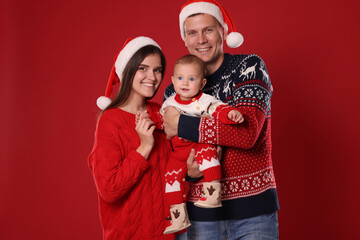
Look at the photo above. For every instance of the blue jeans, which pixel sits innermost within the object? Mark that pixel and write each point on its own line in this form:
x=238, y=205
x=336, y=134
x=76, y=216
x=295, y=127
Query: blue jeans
x=262, y=227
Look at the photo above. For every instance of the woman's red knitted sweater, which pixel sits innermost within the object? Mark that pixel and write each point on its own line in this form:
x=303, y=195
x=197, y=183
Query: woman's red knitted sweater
x=130, y=188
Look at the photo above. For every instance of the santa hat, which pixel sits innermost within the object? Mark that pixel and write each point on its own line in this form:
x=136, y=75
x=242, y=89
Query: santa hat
x=213, y=8
x=130, y=47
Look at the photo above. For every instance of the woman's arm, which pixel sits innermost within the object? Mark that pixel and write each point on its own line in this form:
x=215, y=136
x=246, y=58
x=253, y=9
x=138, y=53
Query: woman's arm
x=114, y=172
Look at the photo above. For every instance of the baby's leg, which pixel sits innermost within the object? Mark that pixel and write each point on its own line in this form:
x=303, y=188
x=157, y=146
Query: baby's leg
x=175, y=195
x=206, y=157
x=209, y=164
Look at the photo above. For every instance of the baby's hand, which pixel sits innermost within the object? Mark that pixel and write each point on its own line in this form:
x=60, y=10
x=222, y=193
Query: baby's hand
x=235, y=116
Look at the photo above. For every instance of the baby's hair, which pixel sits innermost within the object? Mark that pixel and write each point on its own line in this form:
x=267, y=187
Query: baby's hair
x=192, y=59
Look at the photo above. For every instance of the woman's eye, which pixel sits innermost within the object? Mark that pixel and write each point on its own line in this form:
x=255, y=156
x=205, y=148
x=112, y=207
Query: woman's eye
x=158, y=70
x=142, y=68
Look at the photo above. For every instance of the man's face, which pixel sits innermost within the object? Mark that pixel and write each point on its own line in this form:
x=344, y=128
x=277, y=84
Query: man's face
x=204, y=38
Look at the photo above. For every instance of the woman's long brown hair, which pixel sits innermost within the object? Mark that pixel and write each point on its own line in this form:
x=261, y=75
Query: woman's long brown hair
x=130, y=71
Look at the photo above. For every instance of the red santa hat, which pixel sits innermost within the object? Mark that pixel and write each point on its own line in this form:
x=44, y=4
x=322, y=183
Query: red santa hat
x=213, y=8
x=130, y=47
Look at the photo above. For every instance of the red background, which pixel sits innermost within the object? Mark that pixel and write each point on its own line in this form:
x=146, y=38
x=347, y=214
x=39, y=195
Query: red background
x=55, y=60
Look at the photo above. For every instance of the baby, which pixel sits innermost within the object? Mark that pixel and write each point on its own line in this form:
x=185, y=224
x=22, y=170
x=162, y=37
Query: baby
x=188, y=81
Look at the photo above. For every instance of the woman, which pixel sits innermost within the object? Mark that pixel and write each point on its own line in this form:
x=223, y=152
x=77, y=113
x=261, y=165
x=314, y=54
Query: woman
x=128, y=160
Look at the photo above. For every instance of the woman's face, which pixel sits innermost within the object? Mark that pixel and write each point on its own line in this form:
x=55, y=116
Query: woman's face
x=148, y=77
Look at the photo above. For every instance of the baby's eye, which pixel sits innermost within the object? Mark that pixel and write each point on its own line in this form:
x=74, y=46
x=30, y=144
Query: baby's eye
x=192, y=79
x=180, y=78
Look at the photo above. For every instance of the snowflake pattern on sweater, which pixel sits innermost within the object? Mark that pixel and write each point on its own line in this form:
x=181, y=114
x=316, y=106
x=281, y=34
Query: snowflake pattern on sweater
x=243, y=82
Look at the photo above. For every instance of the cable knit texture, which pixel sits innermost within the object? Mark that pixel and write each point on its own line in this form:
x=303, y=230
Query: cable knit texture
x=130, y=188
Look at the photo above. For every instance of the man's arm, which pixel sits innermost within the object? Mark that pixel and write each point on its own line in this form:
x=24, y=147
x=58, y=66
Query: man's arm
x=213, y=131
x=250, y=96
x=242, y=135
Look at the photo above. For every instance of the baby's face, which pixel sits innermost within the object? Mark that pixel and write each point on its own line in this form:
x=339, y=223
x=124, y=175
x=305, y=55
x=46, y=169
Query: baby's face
x=188, y=80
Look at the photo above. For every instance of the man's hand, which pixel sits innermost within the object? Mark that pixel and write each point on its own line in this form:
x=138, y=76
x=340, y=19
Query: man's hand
x=219, y=152
x=171, y=121
x=192, y=166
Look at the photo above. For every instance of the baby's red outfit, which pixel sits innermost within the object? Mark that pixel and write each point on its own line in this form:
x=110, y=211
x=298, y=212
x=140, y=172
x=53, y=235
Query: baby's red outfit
x=205, y=154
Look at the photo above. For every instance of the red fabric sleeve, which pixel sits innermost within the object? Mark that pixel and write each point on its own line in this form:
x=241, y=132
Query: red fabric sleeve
x=221, y=113
x=114, y=173
x=244, y=135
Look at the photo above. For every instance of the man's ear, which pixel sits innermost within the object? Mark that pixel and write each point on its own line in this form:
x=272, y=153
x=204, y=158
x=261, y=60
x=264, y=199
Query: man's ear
x=185, y=43
x=224, y=33
x=203, y=82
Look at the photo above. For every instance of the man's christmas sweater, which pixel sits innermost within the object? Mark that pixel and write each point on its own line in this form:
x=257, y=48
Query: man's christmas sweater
x=248, y=184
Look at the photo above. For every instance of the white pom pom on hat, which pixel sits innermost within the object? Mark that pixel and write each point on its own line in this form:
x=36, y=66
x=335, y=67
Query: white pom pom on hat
x=102, y=102
x=130, y=47
x=234, y=39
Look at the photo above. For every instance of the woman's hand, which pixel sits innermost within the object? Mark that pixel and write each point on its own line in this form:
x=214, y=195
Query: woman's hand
x=145, y=129
x=144, y=114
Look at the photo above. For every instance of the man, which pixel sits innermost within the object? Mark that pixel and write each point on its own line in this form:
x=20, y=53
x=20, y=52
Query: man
x=249, y=196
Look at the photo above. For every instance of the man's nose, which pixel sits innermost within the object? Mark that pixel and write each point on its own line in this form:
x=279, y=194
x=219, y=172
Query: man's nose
x=202, y=38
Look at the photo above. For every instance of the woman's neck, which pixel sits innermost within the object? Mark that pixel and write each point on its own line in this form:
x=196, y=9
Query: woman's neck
x=133, y=106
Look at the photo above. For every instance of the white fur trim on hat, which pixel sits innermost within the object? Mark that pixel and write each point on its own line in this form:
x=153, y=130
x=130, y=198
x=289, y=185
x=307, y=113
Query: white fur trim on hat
x=121, y=61
x=200, y=7
x=233, y=39
x=129, y=50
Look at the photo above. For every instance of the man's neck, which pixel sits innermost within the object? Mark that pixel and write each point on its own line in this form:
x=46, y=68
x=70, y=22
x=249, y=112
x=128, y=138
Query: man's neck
x=211, y=67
